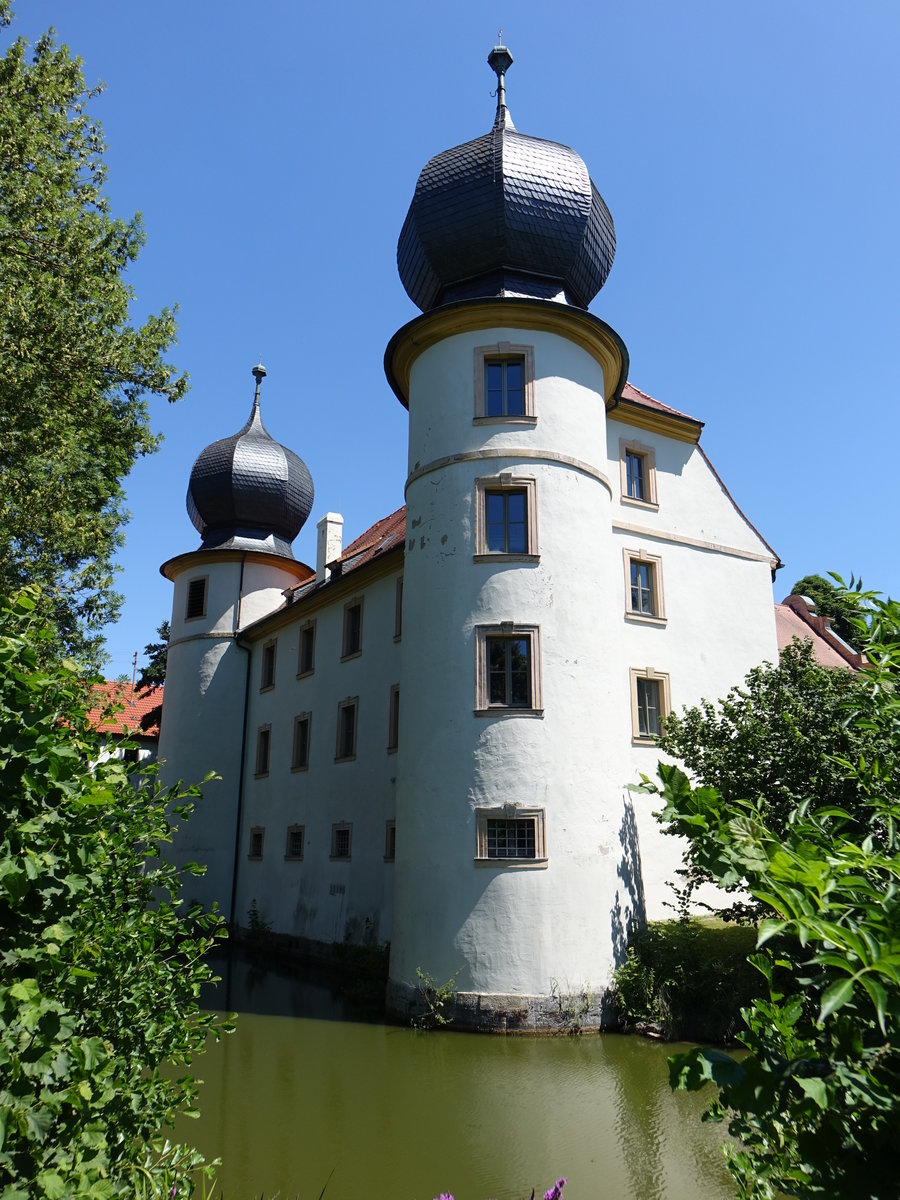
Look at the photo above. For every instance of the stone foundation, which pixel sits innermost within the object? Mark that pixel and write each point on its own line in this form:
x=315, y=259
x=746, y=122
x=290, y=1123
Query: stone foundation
x=513, y=1014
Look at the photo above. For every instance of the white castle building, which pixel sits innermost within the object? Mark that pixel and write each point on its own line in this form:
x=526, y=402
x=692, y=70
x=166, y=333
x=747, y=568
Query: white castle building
x=427, y=738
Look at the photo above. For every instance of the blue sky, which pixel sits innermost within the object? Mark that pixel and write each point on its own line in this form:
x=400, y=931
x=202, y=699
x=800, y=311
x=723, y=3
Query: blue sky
x=748, y=154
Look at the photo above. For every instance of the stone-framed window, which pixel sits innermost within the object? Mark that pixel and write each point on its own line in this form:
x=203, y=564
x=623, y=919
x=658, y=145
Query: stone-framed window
x=300, y=745
x=511, y=836
x=295, y=842
x=637, y=469
x=351, y=644
x=508, y=669
x=257, y=838
x=263, y=750
x=644, y=596
x=506, y=528
x=341, y=839
x=267, y=666
x=504, y=384
x=394, y=719
x=650, y=703
x=306, y=656
x=345, y=746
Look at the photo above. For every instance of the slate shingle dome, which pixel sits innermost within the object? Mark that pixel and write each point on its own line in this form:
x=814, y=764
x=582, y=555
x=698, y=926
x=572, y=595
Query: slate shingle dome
x=248, y=492
x=505, y=215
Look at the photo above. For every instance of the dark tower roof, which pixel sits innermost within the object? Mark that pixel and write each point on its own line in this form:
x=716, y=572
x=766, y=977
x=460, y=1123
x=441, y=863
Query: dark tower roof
x=248, y=492
x=505, y=215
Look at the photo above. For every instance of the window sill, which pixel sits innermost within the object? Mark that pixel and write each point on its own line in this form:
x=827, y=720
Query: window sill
x=398, y=637
x=339, y=858
x=509, y=712
x=388, y=860
x=392, y=749
x=512, y=862
x=298, y=770
x=647, y=505
x=306, y=674
x=506, y=558
x=352, y=654
x=268, y=687
x=346, y=758
x=645, y=618
x=293, y=858
x=527, y=419
x=637, y=740
x=254, y=858
x=260, y=774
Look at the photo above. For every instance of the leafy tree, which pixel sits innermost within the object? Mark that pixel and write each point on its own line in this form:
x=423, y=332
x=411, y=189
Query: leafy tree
x=154, y=673
x=816, y=1101
x=74, y=373
x=831, y=601
x=100, y=970
x=775, y=741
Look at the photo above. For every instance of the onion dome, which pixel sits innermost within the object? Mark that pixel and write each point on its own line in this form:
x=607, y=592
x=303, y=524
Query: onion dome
x=248, y=492
x=505, y=215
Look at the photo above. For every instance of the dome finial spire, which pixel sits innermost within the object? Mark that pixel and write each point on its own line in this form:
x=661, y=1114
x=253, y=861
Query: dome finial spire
x=259, y=373
x=500, y=60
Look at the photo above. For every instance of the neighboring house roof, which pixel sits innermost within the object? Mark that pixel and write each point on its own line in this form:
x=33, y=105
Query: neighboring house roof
x=139, y=709
x=796, y=617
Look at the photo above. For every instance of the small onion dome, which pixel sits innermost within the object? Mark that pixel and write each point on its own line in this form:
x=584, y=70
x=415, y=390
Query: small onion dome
x=248, y=492
x=505, y=215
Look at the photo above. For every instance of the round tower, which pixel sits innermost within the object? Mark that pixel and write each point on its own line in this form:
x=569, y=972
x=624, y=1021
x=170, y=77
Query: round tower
x=506, y=861
x=248, y=498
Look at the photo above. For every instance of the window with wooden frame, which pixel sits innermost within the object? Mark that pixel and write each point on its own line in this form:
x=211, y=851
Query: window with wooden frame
x=267, y=673
x=294, y=843
x=306, y=658
x=345, y=749
x=508, y=670
x=390, y=840
x=511, y=836
x=263, y=749
x=394, y=719
x=398, y=610
x=196, y=598
x=504, y=384
x=637, y=467
x=650, y=704
x=341, y=833
x=506, y=518
x=257, y=836
x=300, y=747
x=352, y=638
x=644, y=599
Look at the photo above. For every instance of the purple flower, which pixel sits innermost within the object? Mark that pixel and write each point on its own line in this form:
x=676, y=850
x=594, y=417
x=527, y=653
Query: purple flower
x=556, y=1192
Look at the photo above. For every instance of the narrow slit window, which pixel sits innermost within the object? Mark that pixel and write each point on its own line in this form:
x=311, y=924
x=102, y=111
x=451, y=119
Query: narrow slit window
x=306, y=659
x=300, y=754
x=257, y=835
x=267, y=678
x=346, y=730
x=263, y=749
x=196, y=599
x=352, y=643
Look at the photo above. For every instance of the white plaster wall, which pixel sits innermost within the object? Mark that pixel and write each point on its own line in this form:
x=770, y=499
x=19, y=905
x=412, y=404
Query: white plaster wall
x=512, y=929
x=305, y=898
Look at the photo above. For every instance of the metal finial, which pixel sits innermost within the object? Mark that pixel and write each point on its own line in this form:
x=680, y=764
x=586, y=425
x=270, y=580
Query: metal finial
x=259, y=374
x=500, y=60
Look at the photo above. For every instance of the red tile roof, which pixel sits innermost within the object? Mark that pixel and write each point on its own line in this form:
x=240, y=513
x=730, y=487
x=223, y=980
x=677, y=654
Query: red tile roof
x=795, y=619
x=381, y=536
x=139, y=709
x=636, y=396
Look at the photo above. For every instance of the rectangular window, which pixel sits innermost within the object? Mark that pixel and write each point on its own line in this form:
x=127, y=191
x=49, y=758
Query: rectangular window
x=306, y=658
x=637, y=464
x=507, y=669
x=300, y=751
x=506, y=518
x=504, y=383
x=398, y=610
x=352, y=643
x=511, y=835
x=345, y=750
x=196, y=599
x=256, y=841
x=643, y=599
x=643, y=587
x=340, y=840
x=394, y=719
x=263, y=747
x=296, y=835
x=390, y=840
x=649, y=704
x=267, y=677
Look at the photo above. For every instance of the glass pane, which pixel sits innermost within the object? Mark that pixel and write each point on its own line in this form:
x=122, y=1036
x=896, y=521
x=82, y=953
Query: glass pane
x=515, y=396
x=519, y=673
x=497, y=671
x=493, y=389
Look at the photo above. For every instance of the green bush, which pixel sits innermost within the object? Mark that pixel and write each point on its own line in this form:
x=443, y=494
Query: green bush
x=100, y=970
x=688, y=978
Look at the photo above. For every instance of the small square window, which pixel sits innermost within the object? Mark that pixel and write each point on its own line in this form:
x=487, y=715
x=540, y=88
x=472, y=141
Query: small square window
x=131, y=755
x=390, y=840
x=340, y=840
x=510, y=835
x=263, y=748
x=506, y=519
x=649, y=704
x=507, y=669
x=637, y=465
x=257, y=834
x=196, y=599
x=267, y=675
x=504, y=383
x=296, y=835
x=300, y=749
x=398, y=610
x=352, y=642
x=643, y=587
x=394, y=719
x=345, y=750
x=307, y=656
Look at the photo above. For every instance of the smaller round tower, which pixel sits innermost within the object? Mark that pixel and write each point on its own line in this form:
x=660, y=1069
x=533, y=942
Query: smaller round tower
x=248, y=498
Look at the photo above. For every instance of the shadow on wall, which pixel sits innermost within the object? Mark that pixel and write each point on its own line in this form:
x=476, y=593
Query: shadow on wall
x=629, y=911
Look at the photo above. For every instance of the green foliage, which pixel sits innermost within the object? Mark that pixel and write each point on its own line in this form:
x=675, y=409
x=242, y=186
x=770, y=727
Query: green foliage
x=154, y=673
x=688, y=978
x=100, y=971
x=831, y=600
x=816, y=1103
x=434, y=998
x=775, y=741
x=73, y=372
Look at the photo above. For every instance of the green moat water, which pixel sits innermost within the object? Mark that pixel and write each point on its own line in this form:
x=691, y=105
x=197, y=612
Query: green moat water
x=382, y=1112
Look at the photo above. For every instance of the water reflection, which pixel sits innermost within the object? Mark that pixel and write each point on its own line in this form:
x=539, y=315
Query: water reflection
x=400, y=1114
